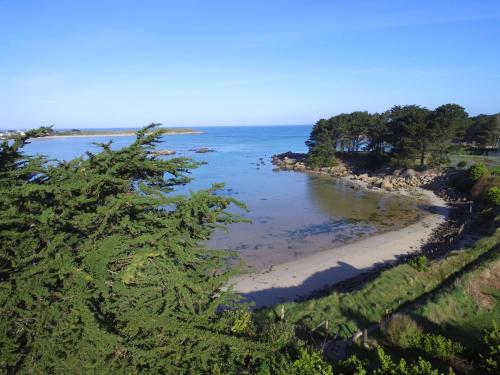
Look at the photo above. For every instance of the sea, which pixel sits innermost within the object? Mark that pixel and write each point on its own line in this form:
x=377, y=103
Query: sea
x=292, y=214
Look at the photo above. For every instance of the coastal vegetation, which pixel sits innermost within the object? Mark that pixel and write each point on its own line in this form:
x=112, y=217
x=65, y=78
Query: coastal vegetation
x=409, y=136
x=102, y=271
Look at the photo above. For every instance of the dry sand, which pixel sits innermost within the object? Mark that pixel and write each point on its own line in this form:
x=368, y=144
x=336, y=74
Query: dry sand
x=104, y=134
x=300, y=277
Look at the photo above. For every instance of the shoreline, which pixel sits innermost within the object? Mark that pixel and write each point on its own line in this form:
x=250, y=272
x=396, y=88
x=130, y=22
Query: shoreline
x=302, y=277
x=130, y=134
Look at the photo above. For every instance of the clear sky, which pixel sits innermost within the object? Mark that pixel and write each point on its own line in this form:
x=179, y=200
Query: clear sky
x=127, y=63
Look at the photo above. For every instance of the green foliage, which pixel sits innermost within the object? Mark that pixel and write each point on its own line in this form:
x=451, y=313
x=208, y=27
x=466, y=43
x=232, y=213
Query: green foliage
x=477, y=171
x=493, y=196
x=409, y=133
x=310, y=363
x=400, y=330
x=420, y=263
x=484, y=130
x=490, y=357
x=350, y=366
x=462, y=164
x=389, y=367
x=241, y=321
x=354, y=311
x=322, y=155
x=436, y=346
x=102, y=271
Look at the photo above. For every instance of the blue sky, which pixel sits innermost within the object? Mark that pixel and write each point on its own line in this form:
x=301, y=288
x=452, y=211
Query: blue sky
x=127, y=63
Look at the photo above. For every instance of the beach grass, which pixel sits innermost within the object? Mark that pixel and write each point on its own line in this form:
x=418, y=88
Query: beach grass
x=349, y=312
x=466, y=308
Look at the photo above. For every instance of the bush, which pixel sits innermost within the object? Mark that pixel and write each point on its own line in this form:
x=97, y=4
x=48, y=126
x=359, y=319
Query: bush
x=310, y=363
x=462, y=182
x=483, y=185
x=490, y=359
x=462, y=164
x=241, y=322
x=437, y=346
x=477, y=171
x=400, y=330
x=351, y=366
x=420, y=263
x=493, y=196
x=322, y=156
x=280, y=333
x=388, y=366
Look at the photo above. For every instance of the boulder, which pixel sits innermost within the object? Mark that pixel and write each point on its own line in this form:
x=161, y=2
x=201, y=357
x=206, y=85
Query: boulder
x=202, y=150
x=165, y=152
x=410, y=173
x=387, y=185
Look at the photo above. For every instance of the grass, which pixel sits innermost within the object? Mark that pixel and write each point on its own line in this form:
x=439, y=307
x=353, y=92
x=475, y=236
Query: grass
x=460, y=312
x=347, y=313
x=470, y=306
x=490, y=161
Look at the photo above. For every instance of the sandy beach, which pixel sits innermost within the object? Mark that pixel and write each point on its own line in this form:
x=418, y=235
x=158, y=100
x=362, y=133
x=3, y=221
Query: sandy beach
x=300, y=277
x=125, y=134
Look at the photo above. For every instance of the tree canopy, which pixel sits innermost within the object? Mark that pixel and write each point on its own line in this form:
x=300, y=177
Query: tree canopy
x=410, y=134
x=102, y=270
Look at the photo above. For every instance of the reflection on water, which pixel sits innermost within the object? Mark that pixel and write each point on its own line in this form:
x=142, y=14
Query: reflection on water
x=329, y=213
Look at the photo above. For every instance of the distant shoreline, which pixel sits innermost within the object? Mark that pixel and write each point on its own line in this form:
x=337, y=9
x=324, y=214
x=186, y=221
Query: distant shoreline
x=117, y=134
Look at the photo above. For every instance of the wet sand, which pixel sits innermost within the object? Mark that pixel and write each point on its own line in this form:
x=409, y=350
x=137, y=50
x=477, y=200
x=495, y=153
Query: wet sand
x=300, y=277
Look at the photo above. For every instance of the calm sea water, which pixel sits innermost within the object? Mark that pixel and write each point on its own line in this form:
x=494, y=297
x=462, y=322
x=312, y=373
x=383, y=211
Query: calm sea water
x=293, y=214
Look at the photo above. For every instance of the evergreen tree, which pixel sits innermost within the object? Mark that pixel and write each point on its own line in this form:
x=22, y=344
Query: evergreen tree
x=102, y=271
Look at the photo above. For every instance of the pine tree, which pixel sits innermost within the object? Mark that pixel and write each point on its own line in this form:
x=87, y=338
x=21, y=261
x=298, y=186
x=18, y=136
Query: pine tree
x=102, y=268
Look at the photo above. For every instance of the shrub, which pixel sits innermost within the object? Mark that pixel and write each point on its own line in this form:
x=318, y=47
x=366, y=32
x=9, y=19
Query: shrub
x=310, y=363
x=477, y=171
x=388, y=366
x=400, y=330
x=322, y=156
x=490, y=359
x=351, y=366
x=462, y=164
x=493, y=196
x=420, y=263
x=462, y=182
x=437, y=346
x=483, y=185
x=279, y=332
x=242, y=322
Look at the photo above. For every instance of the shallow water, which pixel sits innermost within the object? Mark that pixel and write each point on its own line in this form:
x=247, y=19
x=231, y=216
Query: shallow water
x=293, y=214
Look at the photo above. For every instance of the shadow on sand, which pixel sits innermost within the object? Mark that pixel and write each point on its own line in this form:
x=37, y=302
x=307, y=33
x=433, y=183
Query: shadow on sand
x=319, y=280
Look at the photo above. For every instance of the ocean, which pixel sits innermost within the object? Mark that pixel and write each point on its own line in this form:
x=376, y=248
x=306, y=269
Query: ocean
x=293, y=214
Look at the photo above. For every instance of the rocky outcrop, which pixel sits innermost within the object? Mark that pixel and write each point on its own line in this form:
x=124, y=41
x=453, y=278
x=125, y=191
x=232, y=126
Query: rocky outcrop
x=165, y=152
x=383, y=179
x=202, y=150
